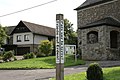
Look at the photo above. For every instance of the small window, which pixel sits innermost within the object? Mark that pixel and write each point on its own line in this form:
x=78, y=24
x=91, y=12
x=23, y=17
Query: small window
x=26, y=37
x=114, y=39
x=19, y=38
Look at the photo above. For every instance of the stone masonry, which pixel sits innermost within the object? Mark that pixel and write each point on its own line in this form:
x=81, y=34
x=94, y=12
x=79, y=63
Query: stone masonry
x=98, y=38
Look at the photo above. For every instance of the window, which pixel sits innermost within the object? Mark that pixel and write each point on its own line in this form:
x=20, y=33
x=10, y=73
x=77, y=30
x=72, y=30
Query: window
x=18, y=38
x=114, y=39
x=26, y=37
x=92, y=37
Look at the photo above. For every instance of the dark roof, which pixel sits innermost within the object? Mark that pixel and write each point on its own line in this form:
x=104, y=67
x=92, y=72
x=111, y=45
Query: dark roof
x=40, y=29
x=89, y=3
x=104, y=21
x=9, y=29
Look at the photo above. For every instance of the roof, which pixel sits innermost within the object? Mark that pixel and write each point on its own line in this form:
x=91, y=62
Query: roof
x=38, y=29
x=104, y=21
x=89, y=3
x=9, y=29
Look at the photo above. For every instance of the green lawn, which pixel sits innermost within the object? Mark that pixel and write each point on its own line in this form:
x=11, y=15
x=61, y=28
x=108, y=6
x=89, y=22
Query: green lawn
x=112, y=73
x=109, y=74
x=37, y=63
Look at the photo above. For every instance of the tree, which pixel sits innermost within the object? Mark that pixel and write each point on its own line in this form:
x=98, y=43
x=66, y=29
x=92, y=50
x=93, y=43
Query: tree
x=3, y=35
x=46, y=47
x=70, y=36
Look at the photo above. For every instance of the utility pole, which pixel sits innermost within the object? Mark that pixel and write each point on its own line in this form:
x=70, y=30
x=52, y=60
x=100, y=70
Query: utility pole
x=59, y=47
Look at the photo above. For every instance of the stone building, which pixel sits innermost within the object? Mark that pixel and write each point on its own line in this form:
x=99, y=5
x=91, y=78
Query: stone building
x=99, y=29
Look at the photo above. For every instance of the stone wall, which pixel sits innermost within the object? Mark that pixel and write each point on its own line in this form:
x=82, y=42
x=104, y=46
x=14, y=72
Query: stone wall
x=112, y=53
x=97, y=12
x=100, y=50
x=94, y=51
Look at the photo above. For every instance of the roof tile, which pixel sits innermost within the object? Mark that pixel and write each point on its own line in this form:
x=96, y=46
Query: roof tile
x=104, y=21
x=89, y=3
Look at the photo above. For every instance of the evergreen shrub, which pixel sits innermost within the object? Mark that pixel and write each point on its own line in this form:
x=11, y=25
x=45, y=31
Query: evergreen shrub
x=94, y=72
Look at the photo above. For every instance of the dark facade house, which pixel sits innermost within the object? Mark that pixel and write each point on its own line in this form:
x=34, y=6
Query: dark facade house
x=26, y=36
x=99, y=29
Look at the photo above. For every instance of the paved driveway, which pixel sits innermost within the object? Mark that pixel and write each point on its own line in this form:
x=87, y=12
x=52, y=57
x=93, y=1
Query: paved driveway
x=42, y=74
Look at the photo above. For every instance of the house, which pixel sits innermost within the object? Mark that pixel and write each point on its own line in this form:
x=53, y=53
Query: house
x=99, y=29
x=26, y=36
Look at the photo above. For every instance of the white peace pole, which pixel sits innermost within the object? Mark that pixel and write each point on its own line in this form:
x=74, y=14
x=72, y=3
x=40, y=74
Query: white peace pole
x=59, y=47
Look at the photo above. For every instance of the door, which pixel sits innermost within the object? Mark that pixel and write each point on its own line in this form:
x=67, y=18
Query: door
x=23, y=50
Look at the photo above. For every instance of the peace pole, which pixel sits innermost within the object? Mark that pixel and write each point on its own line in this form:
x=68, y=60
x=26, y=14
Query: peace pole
x=59, y=47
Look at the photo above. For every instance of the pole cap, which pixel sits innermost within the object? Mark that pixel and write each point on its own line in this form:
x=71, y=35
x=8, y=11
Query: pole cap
x=59, y=16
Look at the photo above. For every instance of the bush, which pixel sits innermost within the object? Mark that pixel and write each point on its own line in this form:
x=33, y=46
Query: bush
x=1, y=54
x=29, y=56
x=8, y=55
x=94, y=72
x=38, y=55
x=26, y=56
x=15, y=58
x=45, y=47
x=0, y=57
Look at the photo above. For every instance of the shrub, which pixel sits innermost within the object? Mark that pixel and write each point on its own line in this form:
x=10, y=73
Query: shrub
x=29, y=56
x=94, y=72
x=38, y=55
x=26, y=56
x=0, y=57
x=15, y=58
x=53, y=51
x=8, y=55
x=1, y=54
x=45, y=47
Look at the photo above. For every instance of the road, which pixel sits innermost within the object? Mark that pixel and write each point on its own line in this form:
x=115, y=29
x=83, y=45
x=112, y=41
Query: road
x=43, y=74
x=37, y=74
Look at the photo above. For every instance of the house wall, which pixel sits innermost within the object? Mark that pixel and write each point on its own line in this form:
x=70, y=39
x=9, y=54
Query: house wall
x=32, y=44
x=9, y=40
x=22, y=38
x=38, y=38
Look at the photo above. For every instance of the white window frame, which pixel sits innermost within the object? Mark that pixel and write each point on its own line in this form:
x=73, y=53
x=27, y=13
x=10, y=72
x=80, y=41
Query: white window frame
x=26, y=37
x=19, y=38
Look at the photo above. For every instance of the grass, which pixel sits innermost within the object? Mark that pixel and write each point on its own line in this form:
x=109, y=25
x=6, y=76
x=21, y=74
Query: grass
x=38, y=63
x=112, y=73
x=109, y=74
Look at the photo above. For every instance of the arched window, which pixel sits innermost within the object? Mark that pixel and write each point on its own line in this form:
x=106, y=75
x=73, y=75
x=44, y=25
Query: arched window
x=92, y=37
x=114, y=39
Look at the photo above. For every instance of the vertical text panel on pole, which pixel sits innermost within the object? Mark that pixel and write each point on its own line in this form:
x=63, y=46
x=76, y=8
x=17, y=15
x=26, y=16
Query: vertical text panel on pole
x=59, y=41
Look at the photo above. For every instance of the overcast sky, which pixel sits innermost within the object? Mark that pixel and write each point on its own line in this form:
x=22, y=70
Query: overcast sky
x=43, y=15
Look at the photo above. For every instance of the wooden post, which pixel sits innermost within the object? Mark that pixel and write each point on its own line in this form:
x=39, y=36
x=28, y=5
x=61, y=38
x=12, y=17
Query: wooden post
x=59, y=47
